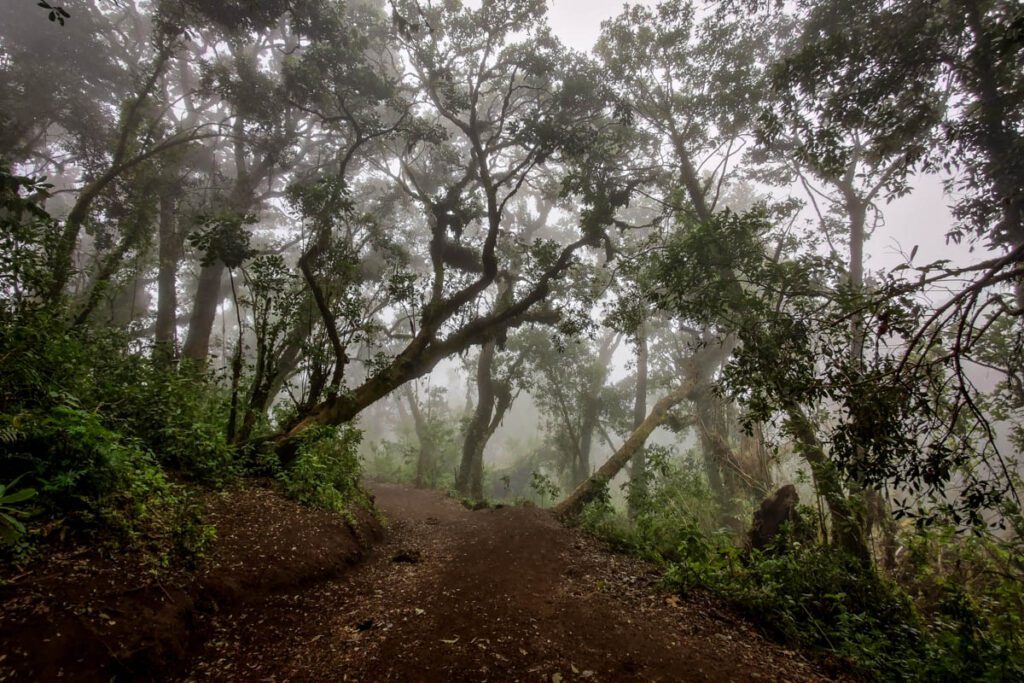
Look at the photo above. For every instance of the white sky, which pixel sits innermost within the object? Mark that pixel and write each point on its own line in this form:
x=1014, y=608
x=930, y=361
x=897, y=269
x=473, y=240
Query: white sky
x=578, y=22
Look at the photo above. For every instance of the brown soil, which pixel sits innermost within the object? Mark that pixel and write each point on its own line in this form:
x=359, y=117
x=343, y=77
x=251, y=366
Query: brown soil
x=491, y=595
x=88, y=613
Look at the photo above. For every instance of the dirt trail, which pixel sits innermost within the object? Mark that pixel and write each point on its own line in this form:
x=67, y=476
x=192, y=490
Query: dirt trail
x=491, y=595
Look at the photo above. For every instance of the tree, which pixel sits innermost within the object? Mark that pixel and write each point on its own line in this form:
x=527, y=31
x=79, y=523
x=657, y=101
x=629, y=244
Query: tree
x=666, y=68
x=499, y=107
x=893, y=73
x=591, y=487
x=570, y=386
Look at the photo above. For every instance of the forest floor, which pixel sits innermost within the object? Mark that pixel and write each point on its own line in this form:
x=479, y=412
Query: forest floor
x=502, y=594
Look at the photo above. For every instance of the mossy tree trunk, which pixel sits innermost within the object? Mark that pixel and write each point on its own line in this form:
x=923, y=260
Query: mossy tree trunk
x=591, y=487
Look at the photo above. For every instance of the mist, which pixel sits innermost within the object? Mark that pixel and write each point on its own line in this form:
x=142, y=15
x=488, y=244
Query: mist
x=418, y=311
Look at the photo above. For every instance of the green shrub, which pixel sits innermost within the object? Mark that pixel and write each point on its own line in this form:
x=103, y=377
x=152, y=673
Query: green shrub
x=326, y=470
x=544, y=488
x=178, y=418
x=12, y=510
x=390, y=461
x=970, y=589
x=92, y=425
x=674, y=518
x=816, y=596
x=955, y=615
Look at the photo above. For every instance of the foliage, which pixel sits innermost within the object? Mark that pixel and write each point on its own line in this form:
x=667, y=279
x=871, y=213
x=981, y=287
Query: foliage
x=326, y=471
x=11, y=527
x=793, y=354
x=674, y=513
x=389, y=461
x=545, y=489
x=27, y=236
x=92, y=425
x=387, y=192
x=925, y=628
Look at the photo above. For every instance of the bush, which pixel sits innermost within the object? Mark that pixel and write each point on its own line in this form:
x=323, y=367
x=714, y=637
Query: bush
x=326, y=471
x=91, y=425
x=391, y=461
x=816, y=596
x=178, y=418
x=970, y=588
x=674, y=518
x=89, y=476
x=961, y=623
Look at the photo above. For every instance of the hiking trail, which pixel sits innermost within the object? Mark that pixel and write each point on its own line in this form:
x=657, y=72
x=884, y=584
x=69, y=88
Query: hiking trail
x=490, y=595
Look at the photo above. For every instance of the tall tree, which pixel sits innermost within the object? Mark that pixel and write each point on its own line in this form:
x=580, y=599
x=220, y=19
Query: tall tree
x=500, y=97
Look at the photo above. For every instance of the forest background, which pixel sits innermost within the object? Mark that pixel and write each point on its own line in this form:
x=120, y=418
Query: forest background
x=308, y=240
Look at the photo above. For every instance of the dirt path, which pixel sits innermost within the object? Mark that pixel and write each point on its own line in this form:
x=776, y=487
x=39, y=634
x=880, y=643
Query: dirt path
x=492, y=595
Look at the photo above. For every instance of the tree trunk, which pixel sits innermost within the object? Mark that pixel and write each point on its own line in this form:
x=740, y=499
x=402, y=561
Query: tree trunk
x=857, y=211
x=211, y=277
x=204, y=311
x=591, y=409
x=64, y=251
x=592, y=406
x=470, y=479
x=493, y=399
x=847, y=522
x=236, y=367
x=726, y=475
x=422, y=435
x=164, y=335
x=273, y=368
x=638, y=464
x=591, y=487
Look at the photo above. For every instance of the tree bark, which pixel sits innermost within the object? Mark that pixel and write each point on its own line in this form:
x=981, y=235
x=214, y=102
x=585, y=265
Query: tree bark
x=592, y=486
x=638, y=464
x=105, y=273
x=164, y=335
x=422, y=435
x=709, y=425
x=592, y=406
x=470, y=479
x=204, y=312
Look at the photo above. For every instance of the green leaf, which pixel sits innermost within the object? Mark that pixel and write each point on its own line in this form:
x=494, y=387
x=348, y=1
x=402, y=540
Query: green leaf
x=18, y=496
x=11, y=523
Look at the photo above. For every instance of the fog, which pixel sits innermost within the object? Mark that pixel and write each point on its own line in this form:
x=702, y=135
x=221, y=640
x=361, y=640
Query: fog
x=511, y=340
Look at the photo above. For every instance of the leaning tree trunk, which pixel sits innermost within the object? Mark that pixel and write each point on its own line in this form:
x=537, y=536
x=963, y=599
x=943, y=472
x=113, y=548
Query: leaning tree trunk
x=847, y=522
x=590, y=488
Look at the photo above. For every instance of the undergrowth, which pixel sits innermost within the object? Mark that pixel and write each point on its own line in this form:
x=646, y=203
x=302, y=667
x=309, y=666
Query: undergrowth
x=930, y=621
x=94, y=428
x=326, y=471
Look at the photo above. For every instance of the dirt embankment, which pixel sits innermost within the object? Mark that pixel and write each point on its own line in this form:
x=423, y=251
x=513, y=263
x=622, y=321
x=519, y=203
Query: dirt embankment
x=85, y=614
x=449, y=594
